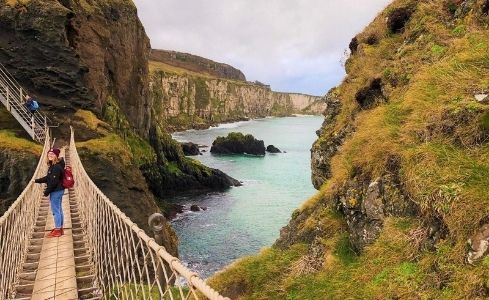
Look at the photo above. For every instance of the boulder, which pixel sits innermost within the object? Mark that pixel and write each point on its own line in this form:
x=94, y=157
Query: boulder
x=372, y=204
x=353, y=45
x=273, y=149
x=238, y=143
x=190, y=149
x=195, y=207
x=482, y=98
x=479, y=245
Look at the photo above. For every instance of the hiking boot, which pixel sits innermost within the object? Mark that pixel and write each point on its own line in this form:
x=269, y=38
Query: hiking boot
x=55, y=233
x=59, y=232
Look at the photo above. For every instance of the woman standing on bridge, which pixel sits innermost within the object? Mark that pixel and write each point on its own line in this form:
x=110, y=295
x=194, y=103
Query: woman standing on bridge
x=55, y=189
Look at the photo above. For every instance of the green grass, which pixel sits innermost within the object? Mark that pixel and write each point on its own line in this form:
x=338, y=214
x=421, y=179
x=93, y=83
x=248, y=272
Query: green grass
x=258, y=273
x=344, y=252
x=173, y=168
x=9, y=140
x=111, y=146
x=88, y=118
x=485, y=121
x=140, y=149
x=143, y=292
x=155, y=66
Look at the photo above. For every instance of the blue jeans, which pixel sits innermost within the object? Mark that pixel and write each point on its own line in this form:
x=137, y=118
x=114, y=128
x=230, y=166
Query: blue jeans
x=56, y=208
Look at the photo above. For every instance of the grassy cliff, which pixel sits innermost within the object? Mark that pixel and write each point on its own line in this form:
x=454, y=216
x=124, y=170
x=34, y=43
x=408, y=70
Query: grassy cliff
x=402, y=168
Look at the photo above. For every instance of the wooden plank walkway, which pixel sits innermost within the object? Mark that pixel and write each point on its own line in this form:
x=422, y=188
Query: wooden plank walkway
x=56, y=275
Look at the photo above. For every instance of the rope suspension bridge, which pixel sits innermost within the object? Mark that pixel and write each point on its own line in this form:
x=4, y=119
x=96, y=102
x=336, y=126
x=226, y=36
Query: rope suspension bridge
x=102, y=255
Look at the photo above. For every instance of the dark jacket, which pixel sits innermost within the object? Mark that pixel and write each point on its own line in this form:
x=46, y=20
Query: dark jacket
x=54, y=178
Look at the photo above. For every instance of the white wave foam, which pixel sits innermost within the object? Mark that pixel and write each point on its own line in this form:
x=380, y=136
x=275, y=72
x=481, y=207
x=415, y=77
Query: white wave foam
x=229, y=125
x=303, y=116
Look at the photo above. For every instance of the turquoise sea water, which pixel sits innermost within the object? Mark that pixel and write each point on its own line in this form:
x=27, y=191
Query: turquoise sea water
x=242, y=220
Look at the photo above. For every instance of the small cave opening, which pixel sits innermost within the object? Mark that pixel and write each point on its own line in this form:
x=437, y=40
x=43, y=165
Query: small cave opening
x=372, y=40
x=397, y=19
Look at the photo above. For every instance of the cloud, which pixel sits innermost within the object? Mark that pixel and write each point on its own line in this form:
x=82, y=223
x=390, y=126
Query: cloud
x=294, y=46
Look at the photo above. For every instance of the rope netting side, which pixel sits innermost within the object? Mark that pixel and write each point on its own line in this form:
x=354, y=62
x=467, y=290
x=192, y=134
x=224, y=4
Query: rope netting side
x=16, y=228
x=127, y=263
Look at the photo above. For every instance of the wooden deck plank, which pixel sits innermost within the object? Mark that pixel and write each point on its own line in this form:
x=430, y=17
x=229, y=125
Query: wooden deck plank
x=56, y=275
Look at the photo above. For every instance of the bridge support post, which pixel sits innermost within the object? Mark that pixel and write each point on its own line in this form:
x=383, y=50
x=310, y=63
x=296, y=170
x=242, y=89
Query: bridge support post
x=157, y=223
x=8, y=98
x=33, y=126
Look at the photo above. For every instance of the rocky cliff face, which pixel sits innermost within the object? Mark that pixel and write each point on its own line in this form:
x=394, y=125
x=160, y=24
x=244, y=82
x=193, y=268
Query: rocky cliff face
x=184, y=101
x=197, y=64
x=16, y=169
x=69, y=54
x=18, y=159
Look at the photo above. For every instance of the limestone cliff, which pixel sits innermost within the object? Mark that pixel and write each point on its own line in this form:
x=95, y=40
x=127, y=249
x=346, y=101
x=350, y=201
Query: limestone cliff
x=401, y=165
x=185, y=99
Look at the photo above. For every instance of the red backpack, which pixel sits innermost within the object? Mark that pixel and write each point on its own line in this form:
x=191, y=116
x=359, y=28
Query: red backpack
x=68, y=180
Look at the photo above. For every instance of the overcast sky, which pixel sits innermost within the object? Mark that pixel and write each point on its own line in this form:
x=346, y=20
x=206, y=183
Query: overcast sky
x=293, y=45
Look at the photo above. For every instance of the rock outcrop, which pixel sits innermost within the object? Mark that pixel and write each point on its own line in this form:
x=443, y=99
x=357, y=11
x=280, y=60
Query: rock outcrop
x=479, y=245
x=69, y=54
x=328, y=142
x=18, y=159
x=238, y=143
x=190, y=149
x=273, y=149
x=16, y=169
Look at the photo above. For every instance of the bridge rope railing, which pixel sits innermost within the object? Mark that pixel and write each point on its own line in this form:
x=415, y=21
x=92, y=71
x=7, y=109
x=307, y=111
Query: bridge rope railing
x=16, y=228
x=127, y=263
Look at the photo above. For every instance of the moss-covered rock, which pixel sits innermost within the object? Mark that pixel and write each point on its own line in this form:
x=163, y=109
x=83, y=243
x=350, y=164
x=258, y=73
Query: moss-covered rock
x=174, y=173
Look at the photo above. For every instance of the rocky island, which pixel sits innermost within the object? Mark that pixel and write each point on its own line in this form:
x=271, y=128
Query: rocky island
x=238, y=143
